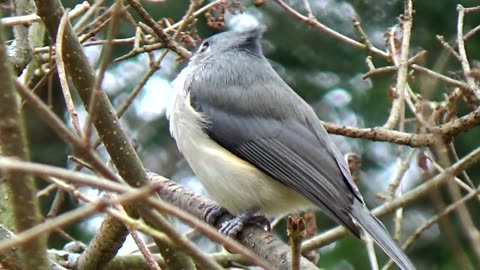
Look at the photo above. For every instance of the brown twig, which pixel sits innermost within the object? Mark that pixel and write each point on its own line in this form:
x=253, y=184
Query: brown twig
x=86, y=17
x=296, y=231
x=392, y=188
x=447, y=46
x=315, y=23
x=153, y=47
x=106, y=55
x=372, y=256
x=380, y=134
x=471, y=33
x=159, y=32
x=29, y=19
x=472, y=10
x=473, y=90
x=402, y=63
x=152, y=264
x=452, y=207
x=363, y=35
x=62, y=75
x=64, y=133
x=374, y=71
x=441, y=77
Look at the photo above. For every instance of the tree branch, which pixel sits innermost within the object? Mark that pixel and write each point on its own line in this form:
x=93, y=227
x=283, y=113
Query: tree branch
x=107, y=124
x=21, y=186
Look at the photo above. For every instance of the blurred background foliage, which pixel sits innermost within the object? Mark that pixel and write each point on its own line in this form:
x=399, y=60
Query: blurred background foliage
x=326, y=73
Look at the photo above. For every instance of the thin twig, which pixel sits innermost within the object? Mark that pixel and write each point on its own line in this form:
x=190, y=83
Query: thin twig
x=363, y=35
x=463, y=56
x=315, y=23
x=62, y=75
x=152, y=264
x=441, y=169
x=472, y=10
x=159, y=32
x=86, y=17
x=387, y=69
x=372, y=256
x=401, y=172
x=454, y=153
x=63, y=132
x=32, y=18
x=310, y=15
x=403, y=167
x=441, y=77
x=471, y=33
x=402, y=62
x=449, y=48
x=452, y=207
x=106, y=55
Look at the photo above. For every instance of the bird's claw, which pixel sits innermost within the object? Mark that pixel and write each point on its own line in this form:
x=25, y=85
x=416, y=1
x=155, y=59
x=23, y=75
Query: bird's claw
x=212, y=213
x=238, y=223
x=233, y=226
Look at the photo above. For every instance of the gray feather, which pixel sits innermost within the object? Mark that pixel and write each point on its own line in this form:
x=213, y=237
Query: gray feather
x=380, y=235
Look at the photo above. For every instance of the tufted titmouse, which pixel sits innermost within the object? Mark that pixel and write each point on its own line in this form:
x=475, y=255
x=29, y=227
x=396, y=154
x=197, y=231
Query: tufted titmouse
x=257, y=146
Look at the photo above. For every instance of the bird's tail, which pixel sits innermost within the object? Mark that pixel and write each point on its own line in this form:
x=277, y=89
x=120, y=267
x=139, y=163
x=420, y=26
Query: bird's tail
x=380, y=235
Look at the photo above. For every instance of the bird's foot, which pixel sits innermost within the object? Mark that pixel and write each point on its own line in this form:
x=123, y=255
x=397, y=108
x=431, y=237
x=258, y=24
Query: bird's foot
x=238, y=223
x=233, y=226
x=213, y=213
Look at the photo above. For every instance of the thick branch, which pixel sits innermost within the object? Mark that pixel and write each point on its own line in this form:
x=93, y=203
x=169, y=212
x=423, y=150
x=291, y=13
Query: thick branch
x=22, y=47
x=254, y=238
x=21, y=186
x=115, y=140
x=446, y=131
x=381, y=134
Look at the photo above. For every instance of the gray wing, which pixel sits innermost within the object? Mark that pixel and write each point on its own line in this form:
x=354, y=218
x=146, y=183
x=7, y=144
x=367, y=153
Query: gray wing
x=296, y=153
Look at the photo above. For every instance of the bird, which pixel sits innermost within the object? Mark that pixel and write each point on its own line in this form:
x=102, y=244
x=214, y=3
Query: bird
x=257, y=146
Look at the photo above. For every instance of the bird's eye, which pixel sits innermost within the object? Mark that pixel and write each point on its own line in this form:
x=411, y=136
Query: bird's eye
x=204, y=46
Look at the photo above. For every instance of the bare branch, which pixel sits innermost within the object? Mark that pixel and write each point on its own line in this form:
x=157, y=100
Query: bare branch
x=63, y=77
x=32, y=18
x=463, y=56
x=402, y=63
x=315, y=23
x=21, y=186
